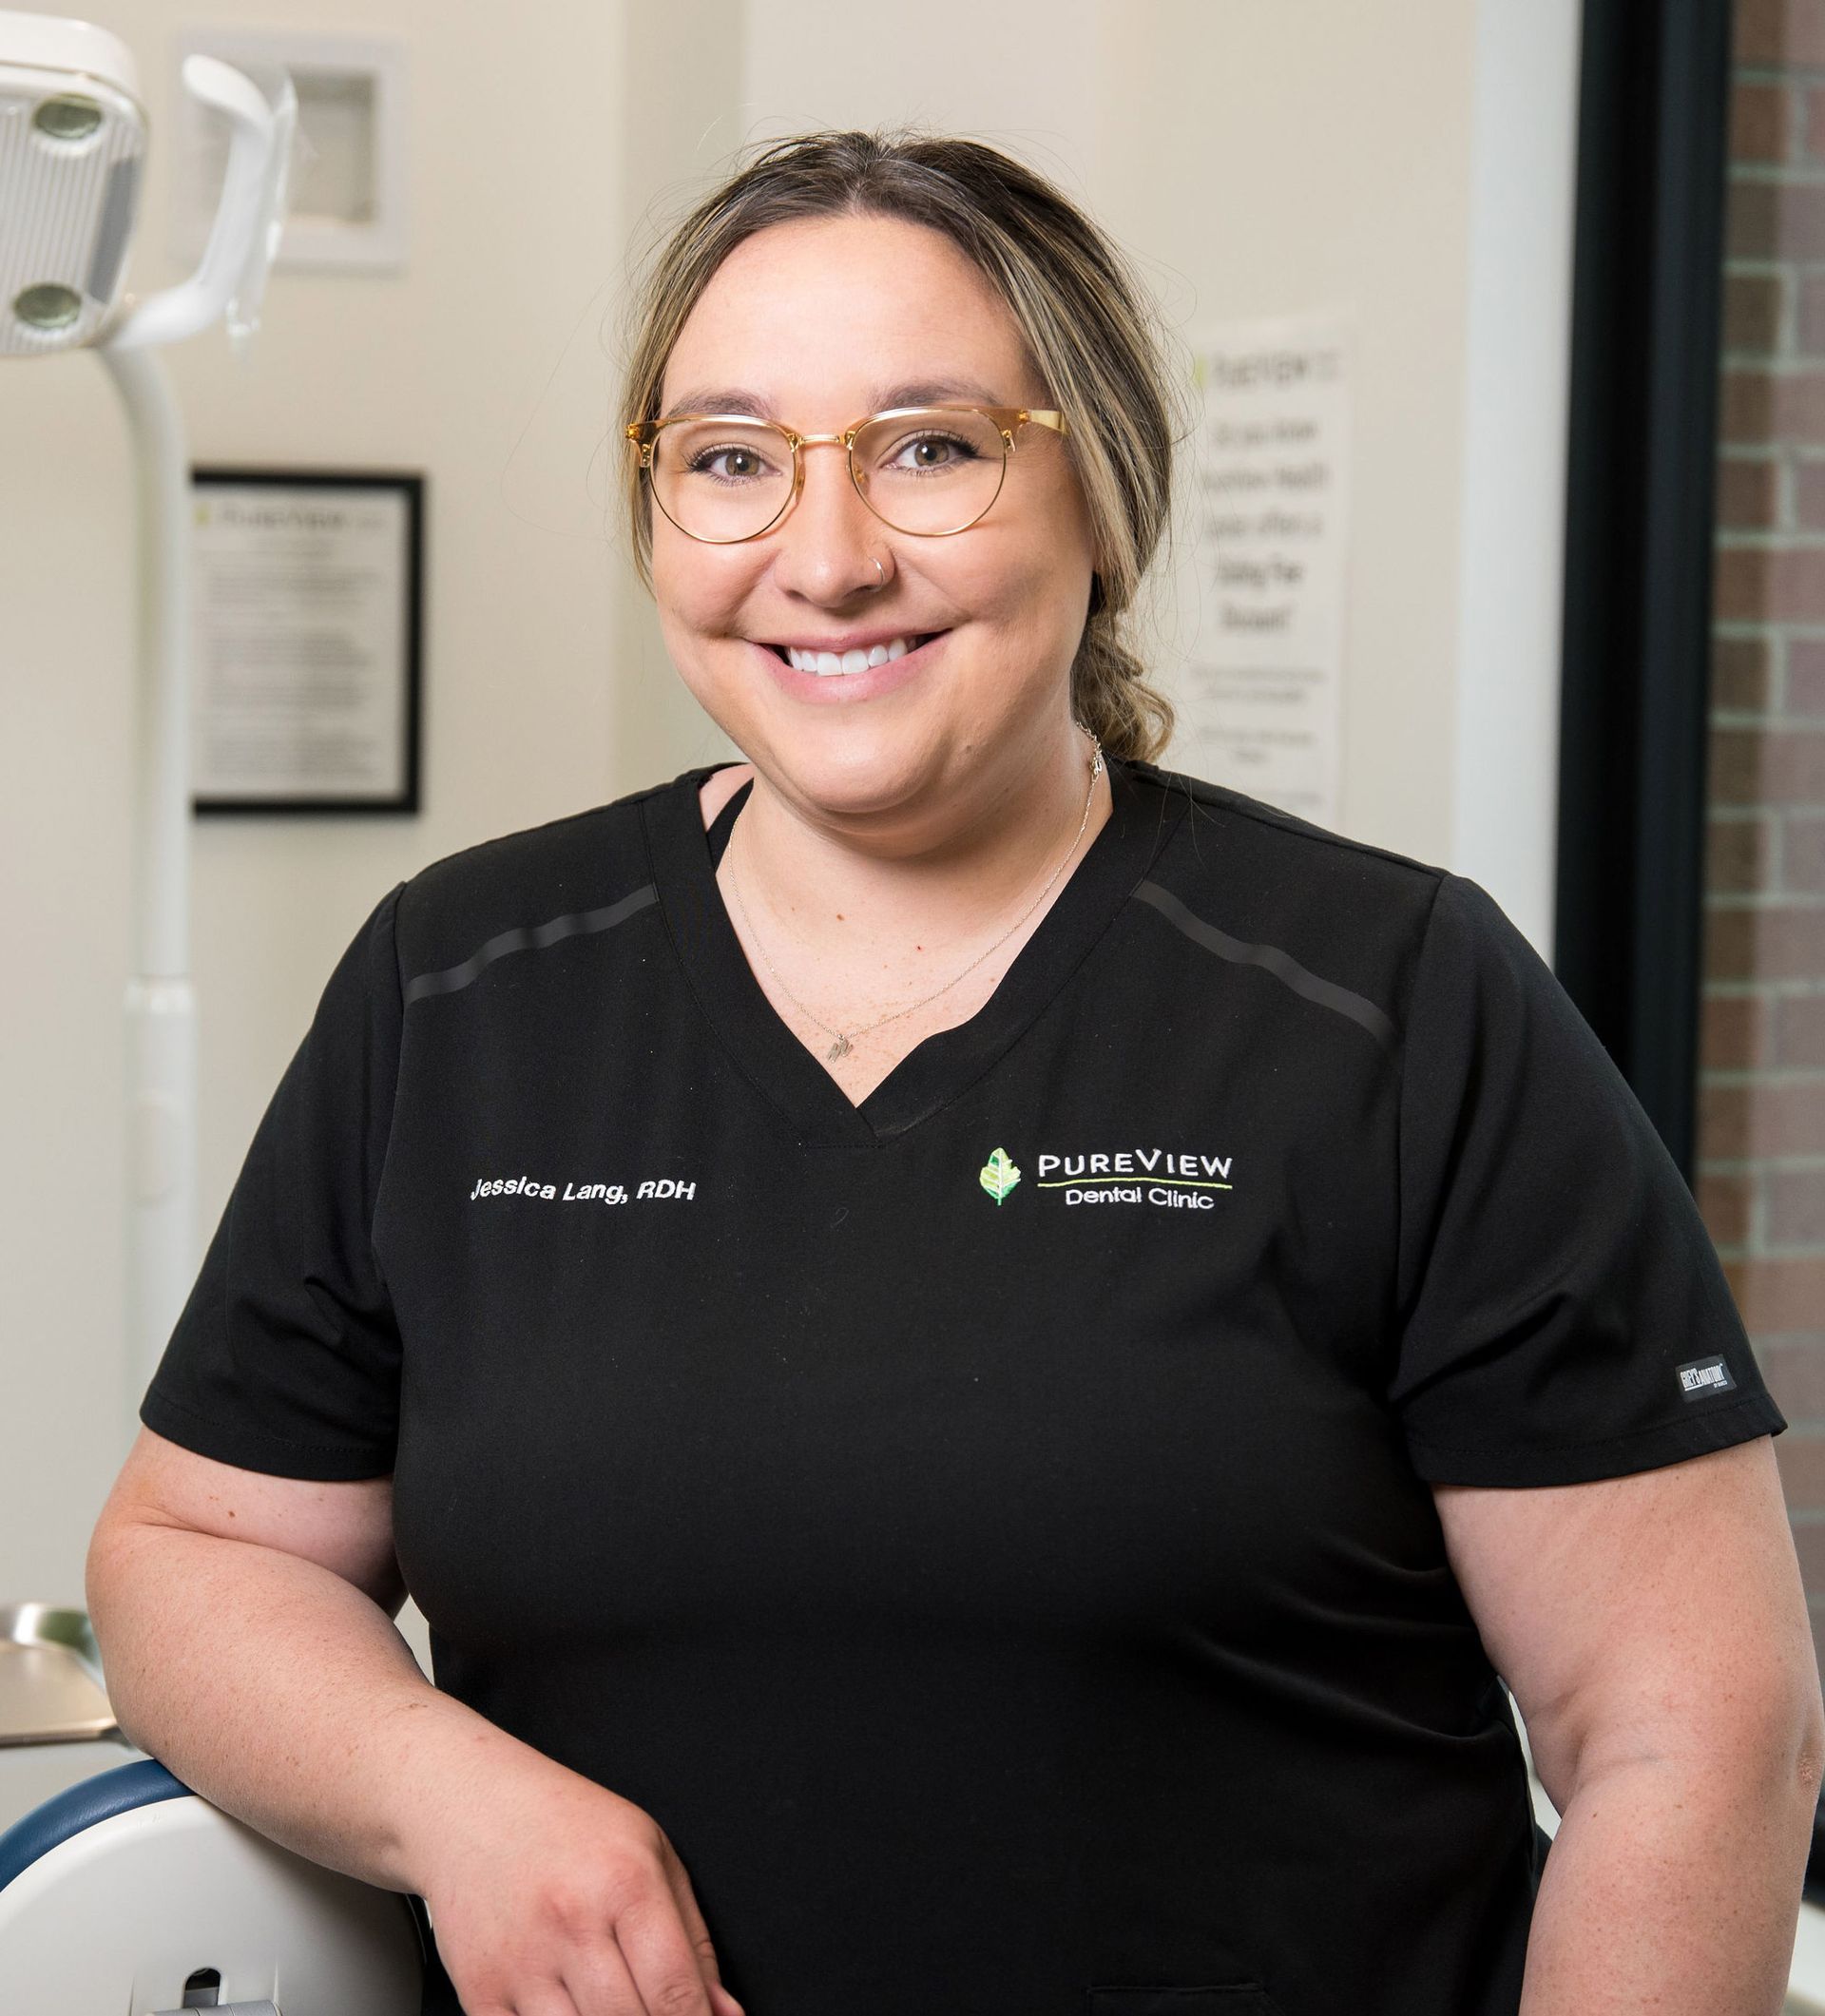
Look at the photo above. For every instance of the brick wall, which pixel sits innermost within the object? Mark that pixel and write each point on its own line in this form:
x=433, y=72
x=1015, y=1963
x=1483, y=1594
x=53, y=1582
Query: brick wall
x=1761, y=1174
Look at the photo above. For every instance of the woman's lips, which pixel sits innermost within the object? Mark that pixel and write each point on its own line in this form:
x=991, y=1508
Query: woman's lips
x=828, y=688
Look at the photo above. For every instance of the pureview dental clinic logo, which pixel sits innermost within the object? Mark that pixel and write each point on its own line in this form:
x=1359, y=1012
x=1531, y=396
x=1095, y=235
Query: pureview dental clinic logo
x=1168, y=1178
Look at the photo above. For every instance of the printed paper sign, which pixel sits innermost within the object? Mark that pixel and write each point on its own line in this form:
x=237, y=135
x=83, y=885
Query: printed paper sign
x=1260, y=688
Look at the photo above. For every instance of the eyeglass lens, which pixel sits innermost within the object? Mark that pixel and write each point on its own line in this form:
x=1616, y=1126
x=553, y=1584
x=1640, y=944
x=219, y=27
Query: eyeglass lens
x=920, y=472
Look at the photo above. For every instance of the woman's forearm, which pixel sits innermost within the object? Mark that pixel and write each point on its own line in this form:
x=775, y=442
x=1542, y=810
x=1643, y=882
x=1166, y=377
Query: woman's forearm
x=1672, y=1888
x=285, y=1695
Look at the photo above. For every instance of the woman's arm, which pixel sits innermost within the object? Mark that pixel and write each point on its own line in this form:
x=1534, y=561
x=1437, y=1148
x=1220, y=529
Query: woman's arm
x=246, y=1635
x=244, y=1623
x=1653, y=1628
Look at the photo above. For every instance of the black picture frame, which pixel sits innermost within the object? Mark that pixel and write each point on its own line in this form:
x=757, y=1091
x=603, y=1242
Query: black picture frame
x=410, y=486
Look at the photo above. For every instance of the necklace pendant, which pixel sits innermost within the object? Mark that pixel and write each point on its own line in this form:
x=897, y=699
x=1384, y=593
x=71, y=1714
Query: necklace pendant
x=841, y=1047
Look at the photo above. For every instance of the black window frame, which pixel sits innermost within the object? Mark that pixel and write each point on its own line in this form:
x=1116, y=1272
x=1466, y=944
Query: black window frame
x=1647, y=335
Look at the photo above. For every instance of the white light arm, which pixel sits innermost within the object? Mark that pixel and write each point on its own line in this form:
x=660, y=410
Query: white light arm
x=247, y=219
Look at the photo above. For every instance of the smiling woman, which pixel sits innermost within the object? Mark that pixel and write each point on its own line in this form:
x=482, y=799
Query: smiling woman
x=892, y=566
x=1112, y=1306
x=1011, y=287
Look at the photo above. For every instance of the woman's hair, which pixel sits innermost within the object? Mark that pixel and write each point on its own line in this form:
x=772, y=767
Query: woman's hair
x=1087, y=324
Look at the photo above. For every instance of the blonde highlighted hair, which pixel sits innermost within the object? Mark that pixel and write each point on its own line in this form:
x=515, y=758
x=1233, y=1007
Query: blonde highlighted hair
x=1087, y=322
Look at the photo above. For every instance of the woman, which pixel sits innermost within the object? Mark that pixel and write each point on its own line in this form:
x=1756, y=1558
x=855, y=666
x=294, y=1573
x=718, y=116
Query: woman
x=944, y=1324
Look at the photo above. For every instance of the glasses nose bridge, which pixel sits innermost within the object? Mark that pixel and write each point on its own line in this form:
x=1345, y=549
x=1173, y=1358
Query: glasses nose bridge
x=845, y=440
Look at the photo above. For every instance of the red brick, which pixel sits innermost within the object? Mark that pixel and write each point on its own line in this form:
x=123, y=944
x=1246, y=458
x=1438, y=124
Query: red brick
x=1729, y=952
x=1811, y=314
x=1779, y=32
x=1723, y=1203
x=1741, y=669
x=1736, y=1032
x=1735, y=766
x=1767, y=766
x=1793, y=768
x=1779, y=1294
x=1752, y=303
x=1748, y=492
x=1761, y=122
x=1805, y=676
x=1774, y=583
x=1735, y=855
x=1770, y=407
x=1747, y=1118
x=1800, y=1456
x=1772, y=941
x=1792, y=1368
x=1795, y=1208
x=1809, y=496
x=1767, y=218
x=1802, y=855
x=1746, y=406
x=1798, y=1031
x=1752, y=219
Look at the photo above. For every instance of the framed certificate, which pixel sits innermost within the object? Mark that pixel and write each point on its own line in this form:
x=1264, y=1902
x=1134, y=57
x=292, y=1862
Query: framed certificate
x=307, y=609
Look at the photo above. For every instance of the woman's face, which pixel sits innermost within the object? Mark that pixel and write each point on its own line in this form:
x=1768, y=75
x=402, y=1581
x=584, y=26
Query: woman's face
x=821, y=321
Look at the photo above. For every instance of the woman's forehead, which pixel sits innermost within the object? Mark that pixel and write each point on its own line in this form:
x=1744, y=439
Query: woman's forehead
x=871, y=311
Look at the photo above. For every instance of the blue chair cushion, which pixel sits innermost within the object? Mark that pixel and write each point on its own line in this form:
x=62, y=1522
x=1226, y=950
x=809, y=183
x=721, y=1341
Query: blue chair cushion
x=81, y=1805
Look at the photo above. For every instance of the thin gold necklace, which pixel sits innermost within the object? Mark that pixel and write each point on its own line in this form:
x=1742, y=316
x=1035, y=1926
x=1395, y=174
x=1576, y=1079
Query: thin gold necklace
x=844, y=1043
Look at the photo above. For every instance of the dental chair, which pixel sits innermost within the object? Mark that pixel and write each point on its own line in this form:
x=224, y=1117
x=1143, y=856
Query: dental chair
x=129, y=1893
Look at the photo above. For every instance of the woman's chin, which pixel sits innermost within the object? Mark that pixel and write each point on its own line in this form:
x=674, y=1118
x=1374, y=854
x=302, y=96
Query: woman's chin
x=855, y=776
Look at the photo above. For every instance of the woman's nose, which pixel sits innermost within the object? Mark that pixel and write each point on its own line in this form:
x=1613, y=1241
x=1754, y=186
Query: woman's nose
x=826, y=543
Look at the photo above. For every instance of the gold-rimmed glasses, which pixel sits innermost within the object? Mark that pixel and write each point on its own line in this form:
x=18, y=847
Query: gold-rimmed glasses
x=930, y=471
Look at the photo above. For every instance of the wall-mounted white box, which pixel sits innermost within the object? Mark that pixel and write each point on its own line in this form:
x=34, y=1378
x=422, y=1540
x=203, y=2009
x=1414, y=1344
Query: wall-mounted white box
x=346, y=205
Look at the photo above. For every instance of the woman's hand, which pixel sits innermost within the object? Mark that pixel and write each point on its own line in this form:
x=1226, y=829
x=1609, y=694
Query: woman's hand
x=554, y=1895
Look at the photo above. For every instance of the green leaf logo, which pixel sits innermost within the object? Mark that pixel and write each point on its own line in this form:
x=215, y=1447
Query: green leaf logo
x=998, y=1176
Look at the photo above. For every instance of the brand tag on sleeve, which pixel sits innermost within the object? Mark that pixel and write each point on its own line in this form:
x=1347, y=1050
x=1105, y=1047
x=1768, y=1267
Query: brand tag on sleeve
x=1705, y=1376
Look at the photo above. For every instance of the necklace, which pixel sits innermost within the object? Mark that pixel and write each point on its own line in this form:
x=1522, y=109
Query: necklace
x=844, y=1041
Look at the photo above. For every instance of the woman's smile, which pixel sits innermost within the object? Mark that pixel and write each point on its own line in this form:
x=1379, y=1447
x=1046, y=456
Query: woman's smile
x=827, y=676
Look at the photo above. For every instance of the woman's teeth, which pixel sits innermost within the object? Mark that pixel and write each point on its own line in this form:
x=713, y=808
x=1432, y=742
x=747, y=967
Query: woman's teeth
x=827, y=664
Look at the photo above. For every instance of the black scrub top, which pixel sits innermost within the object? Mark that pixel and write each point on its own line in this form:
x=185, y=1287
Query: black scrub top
x=989, y=1528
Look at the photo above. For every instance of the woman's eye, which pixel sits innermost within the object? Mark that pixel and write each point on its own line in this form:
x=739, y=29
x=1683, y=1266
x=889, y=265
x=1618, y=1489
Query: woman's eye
x=936, y=451
x=742, y=464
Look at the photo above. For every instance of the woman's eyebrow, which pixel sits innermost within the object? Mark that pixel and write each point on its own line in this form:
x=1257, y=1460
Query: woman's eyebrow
x=917, y=391
x=718, y=402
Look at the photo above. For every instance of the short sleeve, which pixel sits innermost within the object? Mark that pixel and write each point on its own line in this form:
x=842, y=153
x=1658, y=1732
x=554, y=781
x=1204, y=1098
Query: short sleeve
x=1563, y=1315
x=286, y=1356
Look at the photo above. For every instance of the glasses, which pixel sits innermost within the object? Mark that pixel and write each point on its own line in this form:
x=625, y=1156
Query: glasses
x=930, y=470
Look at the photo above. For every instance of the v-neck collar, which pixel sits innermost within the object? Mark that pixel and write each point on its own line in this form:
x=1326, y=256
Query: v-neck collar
x=774, y=1060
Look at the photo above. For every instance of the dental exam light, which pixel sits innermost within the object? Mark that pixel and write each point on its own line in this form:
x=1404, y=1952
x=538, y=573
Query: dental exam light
x=73, y=136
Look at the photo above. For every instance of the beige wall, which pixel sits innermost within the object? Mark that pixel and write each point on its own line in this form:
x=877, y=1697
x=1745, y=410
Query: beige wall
x=1316, y=157
x=1256, y=158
